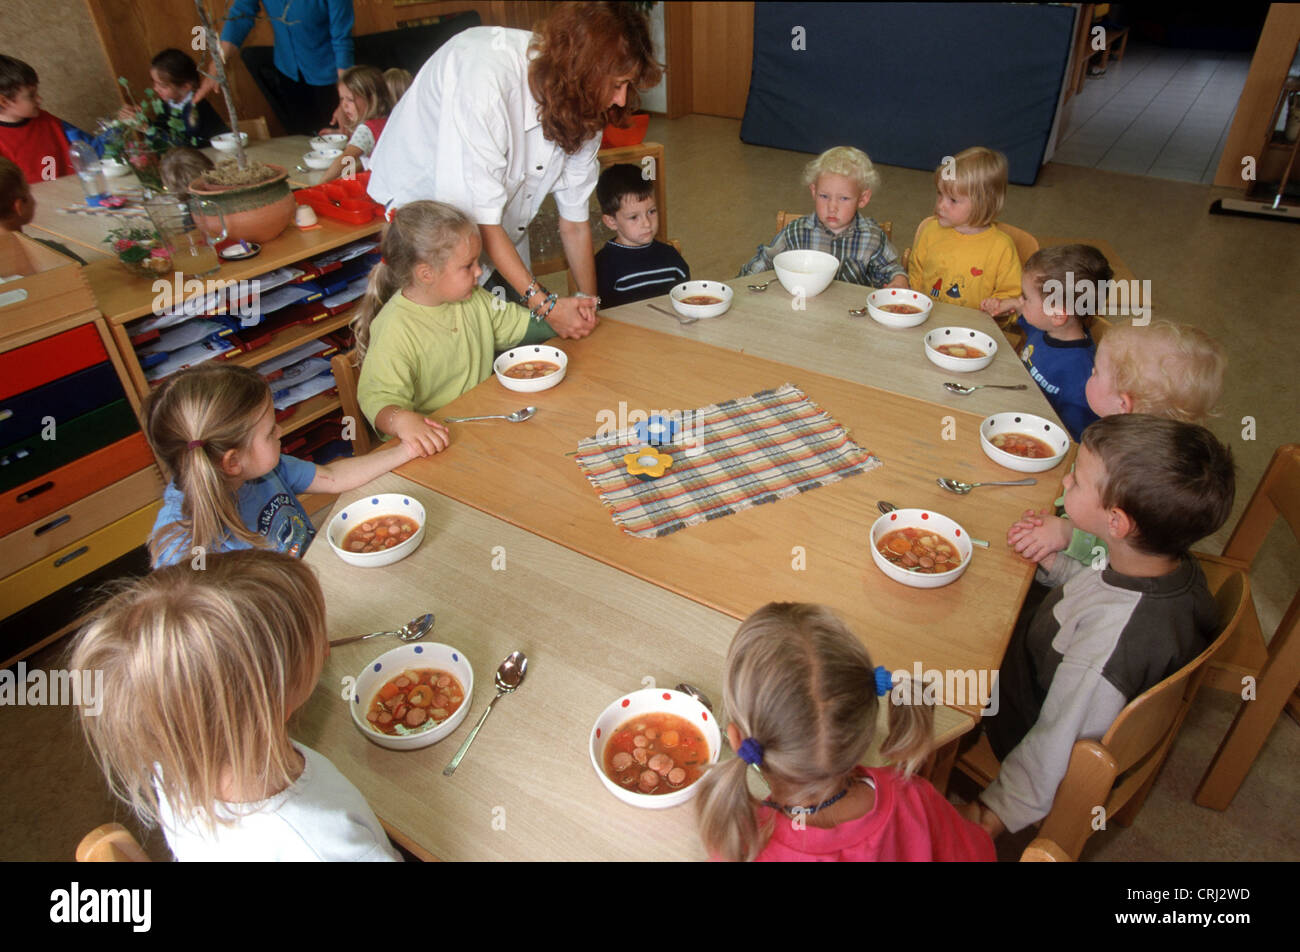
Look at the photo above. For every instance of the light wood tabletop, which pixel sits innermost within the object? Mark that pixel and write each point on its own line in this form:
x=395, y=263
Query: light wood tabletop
x=86, y=231
x=527, y=789
x=823, y=337
x=809, y=548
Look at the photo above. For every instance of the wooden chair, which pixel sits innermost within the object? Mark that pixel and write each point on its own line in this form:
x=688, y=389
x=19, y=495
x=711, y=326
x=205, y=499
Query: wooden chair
x=1118, y=771
x=1043, y=850
x=110, y=843
x=1026, y=244
x=346, y=373
x=256, y=128
x=1278, y=666
x=784, y=218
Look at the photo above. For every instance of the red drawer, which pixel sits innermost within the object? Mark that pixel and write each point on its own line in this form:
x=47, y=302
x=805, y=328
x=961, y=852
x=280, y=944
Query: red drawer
x=26, y=367
x=65, y=485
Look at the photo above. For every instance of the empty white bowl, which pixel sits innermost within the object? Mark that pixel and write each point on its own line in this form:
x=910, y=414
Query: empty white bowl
x=409, y=657
x=520, y=355
x=883, y=297
x=226, y=142
x=321, y=158
x=1056, y=439
x=651, y=701
x=806, y=272
x=960, y=336
x=113, y=168
x=926, y=520
x=713, y=289
x=375, y=507
x=331, y=140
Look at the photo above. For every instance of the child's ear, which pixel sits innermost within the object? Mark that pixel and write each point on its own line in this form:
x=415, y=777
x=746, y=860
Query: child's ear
x=1125, y=402
x=864, y=198
x=230, y=464
x=424, y=273
x=610, y=222
x=1120, y=524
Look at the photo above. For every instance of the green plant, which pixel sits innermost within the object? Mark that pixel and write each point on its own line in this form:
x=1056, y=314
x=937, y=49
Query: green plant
x=152, y=128
x=139, y=249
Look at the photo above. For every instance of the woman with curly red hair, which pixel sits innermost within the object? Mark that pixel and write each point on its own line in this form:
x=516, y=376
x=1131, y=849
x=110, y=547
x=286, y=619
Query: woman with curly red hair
x=497, y=119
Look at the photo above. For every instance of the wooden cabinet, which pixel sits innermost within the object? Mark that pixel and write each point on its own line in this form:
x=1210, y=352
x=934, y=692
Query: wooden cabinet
x=78, y=485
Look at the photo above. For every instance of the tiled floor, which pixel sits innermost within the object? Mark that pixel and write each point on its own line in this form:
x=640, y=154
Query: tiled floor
x=1161, y=112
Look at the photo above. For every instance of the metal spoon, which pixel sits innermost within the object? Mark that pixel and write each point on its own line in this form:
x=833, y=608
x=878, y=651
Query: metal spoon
x=858, y=312
x=696, y=693
x=885, y=507
x=519, y=416
x=509, y=676
x=680, y=319
x=961, y=489
x=413, y=630
x=958, y=388
x=761, y=287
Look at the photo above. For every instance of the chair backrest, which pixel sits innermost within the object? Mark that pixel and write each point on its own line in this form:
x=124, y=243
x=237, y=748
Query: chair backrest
x=784, y=218
x=1026, y=244
x=1278, y=494
x=257, y=129
x=110, y=843
x=1043, y=850
x=345, y=378
x=1135, y=746
x=1099, y=327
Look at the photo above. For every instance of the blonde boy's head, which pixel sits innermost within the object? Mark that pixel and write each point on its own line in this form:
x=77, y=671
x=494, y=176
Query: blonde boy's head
x=1168, y=370
x=979, y=174
x=844, y=160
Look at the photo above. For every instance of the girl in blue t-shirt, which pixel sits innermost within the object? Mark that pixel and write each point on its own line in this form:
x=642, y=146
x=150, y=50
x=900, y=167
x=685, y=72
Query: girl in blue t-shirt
x=214, y=429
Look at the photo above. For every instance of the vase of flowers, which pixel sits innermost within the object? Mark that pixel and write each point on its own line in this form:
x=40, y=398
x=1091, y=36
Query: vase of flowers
x=141, y=133
x=140, y=250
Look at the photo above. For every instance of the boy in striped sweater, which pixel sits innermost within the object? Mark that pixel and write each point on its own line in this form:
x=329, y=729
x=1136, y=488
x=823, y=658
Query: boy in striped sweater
x=633, y=265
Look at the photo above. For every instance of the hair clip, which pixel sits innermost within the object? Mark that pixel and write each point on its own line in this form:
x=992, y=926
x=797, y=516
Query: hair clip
x=884, y=681
x=195, y=444
x=751, y=752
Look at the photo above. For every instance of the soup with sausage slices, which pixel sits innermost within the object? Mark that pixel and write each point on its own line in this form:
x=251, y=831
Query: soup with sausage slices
x=919, y=550
x=960, y=350
x=1022, y=444
x=655, y=754
x=531, y=369
x=415, y=701
x=378, y=533
x=702, y=299
x=899, y=308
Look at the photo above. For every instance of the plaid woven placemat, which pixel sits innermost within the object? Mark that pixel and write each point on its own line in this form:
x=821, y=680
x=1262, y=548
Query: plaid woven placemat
x=752, y=450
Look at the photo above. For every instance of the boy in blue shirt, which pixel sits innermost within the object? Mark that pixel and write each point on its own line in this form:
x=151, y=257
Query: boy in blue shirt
x=633, y=265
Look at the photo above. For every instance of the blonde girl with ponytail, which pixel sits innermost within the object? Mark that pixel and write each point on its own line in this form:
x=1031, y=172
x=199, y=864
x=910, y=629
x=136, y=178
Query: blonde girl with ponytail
x=213, y=428
x=426, y=332
x=802, y=696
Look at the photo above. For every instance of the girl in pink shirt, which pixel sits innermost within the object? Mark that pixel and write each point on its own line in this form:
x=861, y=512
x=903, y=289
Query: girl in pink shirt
x=802, y=695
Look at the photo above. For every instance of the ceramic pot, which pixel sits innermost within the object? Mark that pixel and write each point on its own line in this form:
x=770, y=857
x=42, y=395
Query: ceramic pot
x=255, y=213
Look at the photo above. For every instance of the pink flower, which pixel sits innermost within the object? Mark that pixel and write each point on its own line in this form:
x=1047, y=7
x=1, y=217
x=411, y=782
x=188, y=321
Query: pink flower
x=122, y=244
x=159, y=253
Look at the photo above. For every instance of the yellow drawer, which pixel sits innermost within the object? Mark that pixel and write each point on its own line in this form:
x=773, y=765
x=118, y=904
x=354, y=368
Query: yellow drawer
x=46, y=536
x=68, y=564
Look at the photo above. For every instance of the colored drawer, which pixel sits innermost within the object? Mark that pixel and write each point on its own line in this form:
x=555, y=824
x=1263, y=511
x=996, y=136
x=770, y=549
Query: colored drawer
x=25, y=368
x=47, y=494
x=24, y=461
x=64, y=399
x=65, y=566
x=46, y=536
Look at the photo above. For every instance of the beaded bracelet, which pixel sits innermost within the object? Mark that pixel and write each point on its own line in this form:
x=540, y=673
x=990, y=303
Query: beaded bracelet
x=540, y=315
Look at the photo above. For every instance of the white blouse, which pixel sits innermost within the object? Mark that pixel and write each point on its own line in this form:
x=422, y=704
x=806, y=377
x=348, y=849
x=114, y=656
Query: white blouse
x=467, y=133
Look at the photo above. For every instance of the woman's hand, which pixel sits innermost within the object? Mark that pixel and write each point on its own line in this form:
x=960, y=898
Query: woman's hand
x=573, y=317
x=420, y=435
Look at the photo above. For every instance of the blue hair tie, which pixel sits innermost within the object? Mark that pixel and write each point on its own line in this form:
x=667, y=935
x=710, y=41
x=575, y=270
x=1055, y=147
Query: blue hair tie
x=884, y=681
x=751, y=752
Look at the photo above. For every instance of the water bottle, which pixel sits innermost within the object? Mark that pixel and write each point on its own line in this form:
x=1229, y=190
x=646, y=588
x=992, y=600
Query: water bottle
x=90, y=171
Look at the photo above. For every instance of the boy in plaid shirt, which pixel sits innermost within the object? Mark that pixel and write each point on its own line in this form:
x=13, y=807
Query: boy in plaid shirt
x=841, y=181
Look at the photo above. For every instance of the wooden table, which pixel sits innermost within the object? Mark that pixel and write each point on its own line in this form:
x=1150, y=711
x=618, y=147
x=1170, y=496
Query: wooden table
x=85, y=233
x=520, y=473
x=527, y=789
x=826, y=339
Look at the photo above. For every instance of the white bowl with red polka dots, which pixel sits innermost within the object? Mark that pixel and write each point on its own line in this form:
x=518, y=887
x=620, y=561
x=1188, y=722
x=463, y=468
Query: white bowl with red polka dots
x=413, y=656
x=898, y=297
x=926, y=521
x=652, y=701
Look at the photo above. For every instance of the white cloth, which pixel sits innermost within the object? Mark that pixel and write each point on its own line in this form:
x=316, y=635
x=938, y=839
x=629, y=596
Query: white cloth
x=321, y=817
x=470, y=106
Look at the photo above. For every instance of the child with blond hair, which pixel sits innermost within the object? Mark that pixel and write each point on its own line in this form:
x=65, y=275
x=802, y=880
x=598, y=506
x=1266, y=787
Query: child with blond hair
x=802, y=695
x=1165, y=369
x=841, y=181
x=202, y=671
x=364, y=104
x=960, y=257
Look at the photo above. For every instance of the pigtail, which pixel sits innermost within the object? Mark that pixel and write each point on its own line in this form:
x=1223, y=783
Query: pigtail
x=911, y=727
x=728, y=824
x=382, y=286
